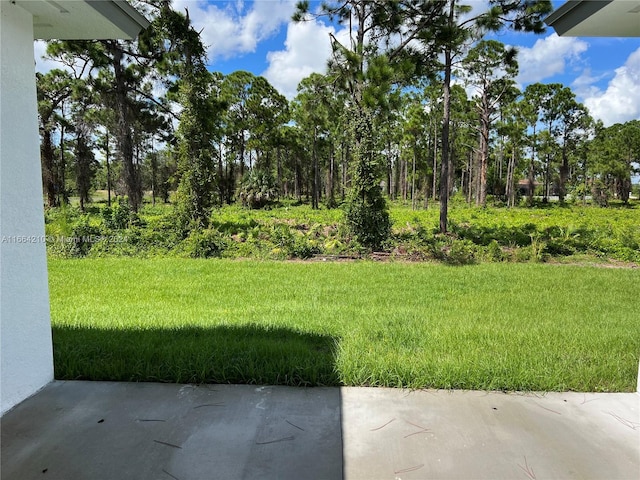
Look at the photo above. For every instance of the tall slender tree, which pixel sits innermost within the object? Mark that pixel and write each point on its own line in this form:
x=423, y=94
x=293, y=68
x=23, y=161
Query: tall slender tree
x=311, y=113
x=83, y=119
x=124, y=70
x=53, y=88
x=513, y=127
x=457, y=28
x=574, y=124
x=489, y=67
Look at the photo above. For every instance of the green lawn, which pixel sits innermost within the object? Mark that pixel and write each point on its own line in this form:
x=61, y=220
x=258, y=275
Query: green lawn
x=487, y=326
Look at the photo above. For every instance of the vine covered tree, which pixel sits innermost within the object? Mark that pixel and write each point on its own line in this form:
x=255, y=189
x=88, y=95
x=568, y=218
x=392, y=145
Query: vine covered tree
x=198, y=92
x=366, y=68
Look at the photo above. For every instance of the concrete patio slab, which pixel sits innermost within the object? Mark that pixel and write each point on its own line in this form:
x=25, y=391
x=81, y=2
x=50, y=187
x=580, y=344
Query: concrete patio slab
x=395, y=434
x=121, y=431
x=104, y=430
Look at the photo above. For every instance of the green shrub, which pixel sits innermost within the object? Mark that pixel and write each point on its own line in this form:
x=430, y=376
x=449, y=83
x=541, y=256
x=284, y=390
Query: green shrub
x=258, y=189
x=118, y=216
x=461, y=252
x=75, y=240
x=282, y=236
x=203, y=244
x=370, y=224
x=305, y=247
x=494, y=252
x=60, y=220
x=626, y=254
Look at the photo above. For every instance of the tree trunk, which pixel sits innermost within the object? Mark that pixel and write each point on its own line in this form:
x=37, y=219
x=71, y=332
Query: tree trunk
x=296, y=182
x=48, y=167
x=470, y=177
x=625, y=190
x=106, y=155
x=413, y=179
x=231, y=181
x=586, y=183
x=501, y=157
x=396, y=178
x=446, y=118
x=241, y=157
x=547, y=179
x=221, y=175
x=426, y=192
x=564, y=174
x=279, y=170
x=124, y=133
x=332, y=175
x=389, y=168
x=154, y=173
x=484, y=156
x=434, y=188
x=403, y=179
x=62, y=185
x=315, y=187
x=532, y=167
x=343, y=170
x=510, y=187
x=83, y=170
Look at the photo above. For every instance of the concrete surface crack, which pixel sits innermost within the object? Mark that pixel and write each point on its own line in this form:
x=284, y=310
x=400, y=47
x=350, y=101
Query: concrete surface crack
x=294, y=425
x=382, y=426
x=410, y=469
x=276, y=441
x=172, y=476
x=168, y=444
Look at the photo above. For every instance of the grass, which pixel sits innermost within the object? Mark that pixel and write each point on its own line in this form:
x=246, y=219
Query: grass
x=490, y=326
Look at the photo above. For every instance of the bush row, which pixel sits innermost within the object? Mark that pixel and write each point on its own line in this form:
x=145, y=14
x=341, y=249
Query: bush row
x=298, y=233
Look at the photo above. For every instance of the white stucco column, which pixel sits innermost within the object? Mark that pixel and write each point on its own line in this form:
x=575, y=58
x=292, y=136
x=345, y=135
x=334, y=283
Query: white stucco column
x=26, y=355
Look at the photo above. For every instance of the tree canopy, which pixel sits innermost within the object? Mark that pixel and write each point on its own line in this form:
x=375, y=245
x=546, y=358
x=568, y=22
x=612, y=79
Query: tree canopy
x=415, y=105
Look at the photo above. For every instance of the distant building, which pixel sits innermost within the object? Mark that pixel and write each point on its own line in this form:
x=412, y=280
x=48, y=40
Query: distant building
x=523, y=187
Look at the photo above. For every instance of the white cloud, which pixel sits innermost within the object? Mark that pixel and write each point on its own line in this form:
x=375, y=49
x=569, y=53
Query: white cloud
x=307, y=50
x=230, y=30
x=471, y=90
x=583, y=86
x=227, y=31
x=477, y=7
x=620, y=102
x=548, y=56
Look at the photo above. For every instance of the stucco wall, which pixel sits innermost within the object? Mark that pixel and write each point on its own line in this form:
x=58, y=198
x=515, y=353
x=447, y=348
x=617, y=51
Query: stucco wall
x=26, y=360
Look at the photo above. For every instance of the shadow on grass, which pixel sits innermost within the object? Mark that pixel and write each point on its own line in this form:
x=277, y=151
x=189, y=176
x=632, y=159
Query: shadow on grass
x=248, y=354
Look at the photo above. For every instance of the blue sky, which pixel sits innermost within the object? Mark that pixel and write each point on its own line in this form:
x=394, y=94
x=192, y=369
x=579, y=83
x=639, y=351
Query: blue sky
x=259, y=36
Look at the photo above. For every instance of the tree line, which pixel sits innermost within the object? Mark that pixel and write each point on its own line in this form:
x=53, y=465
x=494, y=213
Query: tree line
x=390, y=118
